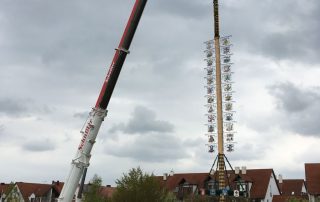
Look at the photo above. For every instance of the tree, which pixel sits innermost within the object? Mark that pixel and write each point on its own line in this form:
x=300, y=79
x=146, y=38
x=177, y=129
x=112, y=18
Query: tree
x=196, y=198
x=137, y=186
x=295, y=199
x=170, y=197
x=12, y=193
x=93, y=192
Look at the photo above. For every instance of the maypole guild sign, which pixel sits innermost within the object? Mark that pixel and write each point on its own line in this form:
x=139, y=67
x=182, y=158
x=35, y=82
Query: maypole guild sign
x=227, y=95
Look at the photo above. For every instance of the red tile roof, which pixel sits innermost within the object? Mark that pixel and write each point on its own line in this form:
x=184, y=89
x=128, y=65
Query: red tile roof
x=192, y=178
x=312, y=172
x=107, y=191
x=27, y=189
x=3, y=188
x=57, y=186
x=291, y=187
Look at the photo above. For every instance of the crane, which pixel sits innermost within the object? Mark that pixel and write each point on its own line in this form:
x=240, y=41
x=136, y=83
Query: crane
x=98, y=113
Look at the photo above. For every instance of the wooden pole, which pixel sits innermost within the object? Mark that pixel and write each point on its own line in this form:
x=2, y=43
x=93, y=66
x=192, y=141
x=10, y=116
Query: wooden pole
x=221, y=167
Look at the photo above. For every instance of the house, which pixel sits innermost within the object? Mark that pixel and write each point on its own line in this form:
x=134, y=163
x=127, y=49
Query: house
x=107, y=191
x=255, y=184
x=312, y=173
x=56, y=189
x=30, y=192
x=184, y=184
x=3, y=190
x=291, y=188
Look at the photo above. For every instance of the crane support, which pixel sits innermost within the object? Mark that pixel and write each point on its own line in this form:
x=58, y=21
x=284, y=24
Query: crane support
x=96, y=116
x=120, y=55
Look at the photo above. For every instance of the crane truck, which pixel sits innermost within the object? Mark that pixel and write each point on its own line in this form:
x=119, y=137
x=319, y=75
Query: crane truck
x=92, y=125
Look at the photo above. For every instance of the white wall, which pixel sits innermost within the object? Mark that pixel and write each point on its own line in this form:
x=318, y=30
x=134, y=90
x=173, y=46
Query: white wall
x=272, y=189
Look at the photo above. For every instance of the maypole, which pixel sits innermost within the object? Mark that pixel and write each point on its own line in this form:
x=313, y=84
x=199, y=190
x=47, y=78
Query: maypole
x=219, y=102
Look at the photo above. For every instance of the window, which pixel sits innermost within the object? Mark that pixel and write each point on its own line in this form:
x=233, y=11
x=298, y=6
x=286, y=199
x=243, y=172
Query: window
x=242, y=187
x=212, y=186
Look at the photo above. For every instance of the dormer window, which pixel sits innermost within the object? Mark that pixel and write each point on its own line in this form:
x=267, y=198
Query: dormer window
x=32, y=197
x=242, y=186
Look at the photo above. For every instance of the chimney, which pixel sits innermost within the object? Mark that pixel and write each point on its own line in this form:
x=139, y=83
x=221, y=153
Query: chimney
x=237, y=170
x=108, y=185
x=244, y=170
x=165, y=176
x=280, y=178
x=171, y=173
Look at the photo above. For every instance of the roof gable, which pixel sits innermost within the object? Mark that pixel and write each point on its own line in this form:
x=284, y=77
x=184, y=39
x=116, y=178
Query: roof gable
x=26, y=189
x=291, y=187
x=312, y=172
x=260, y=182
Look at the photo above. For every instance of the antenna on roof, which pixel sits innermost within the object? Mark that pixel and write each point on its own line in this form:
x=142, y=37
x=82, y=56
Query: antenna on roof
x=280, y=178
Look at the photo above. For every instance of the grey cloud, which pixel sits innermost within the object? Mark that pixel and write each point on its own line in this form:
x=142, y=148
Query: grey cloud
x=81, y=115
x=181, y=8
x=152, y=148
x=12, y=107
x=142, y=121
x=21, y=107
x=299, y=108
x=300, y=41
x=47, y=37
x=1, y=129
x=39, y=146
x=284, y=45
x=268, y=29
x=77, y=47
x=292, y=99
x=194, y=142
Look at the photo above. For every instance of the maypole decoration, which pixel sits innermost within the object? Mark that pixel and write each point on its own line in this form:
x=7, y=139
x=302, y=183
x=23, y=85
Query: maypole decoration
x=227, y=95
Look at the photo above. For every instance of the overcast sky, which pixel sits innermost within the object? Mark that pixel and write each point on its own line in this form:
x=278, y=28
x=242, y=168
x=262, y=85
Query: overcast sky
x=54, y=56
